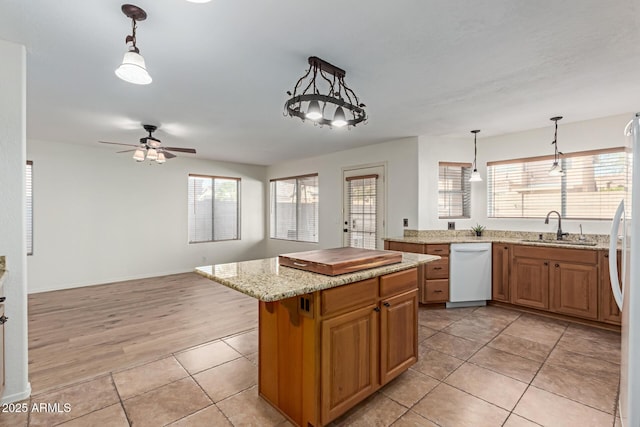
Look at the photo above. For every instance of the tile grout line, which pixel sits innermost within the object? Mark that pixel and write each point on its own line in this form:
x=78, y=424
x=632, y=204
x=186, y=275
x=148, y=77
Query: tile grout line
x=124, y=409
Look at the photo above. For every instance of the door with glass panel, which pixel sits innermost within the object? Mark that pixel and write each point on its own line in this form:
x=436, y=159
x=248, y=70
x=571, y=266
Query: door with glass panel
x=363, y=207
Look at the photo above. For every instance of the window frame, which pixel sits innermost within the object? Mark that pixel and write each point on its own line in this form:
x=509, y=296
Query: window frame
x=272, y=212
x=238, y=208
x=563, y=193
x=466, y=188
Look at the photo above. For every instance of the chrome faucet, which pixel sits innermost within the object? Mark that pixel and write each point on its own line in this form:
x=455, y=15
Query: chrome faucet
x=559, y=233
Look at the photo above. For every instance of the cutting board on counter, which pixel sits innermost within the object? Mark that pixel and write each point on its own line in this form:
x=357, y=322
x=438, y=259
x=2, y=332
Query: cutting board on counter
x=332, y=262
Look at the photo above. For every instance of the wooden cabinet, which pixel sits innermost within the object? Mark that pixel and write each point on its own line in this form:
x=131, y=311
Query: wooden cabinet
x=398, y=335
x=322, y=353
x=349, y=360
x=609, y=311
x=433, y=278
x=559, y=280
x=500, y=272
x=574, y=289
x=530, y=282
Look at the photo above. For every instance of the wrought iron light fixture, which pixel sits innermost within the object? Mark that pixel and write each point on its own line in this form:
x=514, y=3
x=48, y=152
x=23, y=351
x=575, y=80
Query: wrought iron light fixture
x=133, y=69
x=321, y=95
x=475, y=175
x=556, y=169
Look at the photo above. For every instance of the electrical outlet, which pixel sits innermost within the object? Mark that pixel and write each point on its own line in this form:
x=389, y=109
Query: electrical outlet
x=451, y=225
x=405, y=222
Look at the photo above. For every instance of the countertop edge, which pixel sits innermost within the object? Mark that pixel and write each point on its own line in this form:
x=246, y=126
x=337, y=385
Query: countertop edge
x=506, y=240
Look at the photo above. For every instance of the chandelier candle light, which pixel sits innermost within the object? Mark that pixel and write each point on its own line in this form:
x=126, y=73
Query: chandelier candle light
x=556, y=169
x=133, y=69
x=336, y=105
x=475, y=175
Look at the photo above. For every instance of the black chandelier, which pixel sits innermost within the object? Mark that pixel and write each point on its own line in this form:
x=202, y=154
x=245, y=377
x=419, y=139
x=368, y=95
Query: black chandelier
x=310, y=103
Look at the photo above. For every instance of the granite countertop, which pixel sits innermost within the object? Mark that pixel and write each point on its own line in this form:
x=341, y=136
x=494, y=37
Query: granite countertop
x=599, y=242
x=267, y=281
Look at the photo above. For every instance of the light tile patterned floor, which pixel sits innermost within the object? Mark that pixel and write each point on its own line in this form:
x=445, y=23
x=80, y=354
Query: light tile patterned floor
x=477, y=367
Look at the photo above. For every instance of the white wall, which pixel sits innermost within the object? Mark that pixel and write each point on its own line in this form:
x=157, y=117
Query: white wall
x=578, y=136
x=400, y=157
x=12, y=214
x=101, y=217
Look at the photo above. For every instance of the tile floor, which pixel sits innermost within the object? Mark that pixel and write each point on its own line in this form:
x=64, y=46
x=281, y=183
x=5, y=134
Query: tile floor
x=477, y=367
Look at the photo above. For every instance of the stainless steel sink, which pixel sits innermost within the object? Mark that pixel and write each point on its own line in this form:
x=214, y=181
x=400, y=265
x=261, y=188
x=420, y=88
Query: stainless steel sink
x=562, y=242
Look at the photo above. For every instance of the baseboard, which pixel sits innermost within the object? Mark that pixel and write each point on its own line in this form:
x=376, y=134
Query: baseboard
x=16, y=397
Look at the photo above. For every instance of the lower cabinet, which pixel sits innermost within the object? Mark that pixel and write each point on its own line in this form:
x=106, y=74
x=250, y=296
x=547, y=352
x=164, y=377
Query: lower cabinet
x=558, y=280
x=322, y=353
x=500, y=272
x=609, y=311
x=2, y=322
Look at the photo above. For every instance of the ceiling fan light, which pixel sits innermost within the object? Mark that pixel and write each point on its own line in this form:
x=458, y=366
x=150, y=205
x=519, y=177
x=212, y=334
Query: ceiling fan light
x=138, y=156
x=475, y=176
x=161, y=159
x=152, y=154
x=556, y=170
x=313, y=112
x=133, y=69
x=339, y=120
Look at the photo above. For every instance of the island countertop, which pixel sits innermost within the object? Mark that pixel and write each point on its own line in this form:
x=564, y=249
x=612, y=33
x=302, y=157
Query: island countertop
x=266, y=280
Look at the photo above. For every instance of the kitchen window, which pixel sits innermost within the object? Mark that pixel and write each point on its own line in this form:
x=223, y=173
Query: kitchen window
x=591, y=188
x=294, y=208
x=214, y=208
x=454, y=190
x=29, y=207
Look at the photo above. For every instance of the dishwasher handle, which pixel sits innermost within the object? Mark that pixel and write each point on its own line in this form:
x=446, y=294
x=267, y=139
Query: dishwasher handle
x=470, y=250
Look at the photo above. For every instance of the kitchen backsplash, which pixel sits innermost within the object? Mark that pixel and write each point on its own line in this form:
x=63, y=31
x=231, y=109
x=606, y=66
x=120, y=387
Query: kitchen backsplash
x=522, y=235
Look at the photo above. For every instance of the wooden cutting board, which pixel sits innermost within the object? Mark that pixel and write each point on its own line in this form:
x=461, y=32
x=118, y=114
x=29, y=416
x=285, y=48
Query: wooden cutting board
x=332, y=262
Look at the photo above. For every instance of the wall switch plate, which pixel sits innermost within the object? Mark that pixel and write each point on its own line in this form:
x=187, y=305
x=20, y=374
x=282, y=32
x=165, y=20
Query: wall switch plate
x=405, y=222
x=451, y=225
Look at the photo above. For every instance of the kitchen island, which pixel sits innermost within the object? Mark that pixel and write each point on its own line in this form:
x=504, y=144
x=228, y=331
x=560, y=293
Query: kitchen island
x=328, y=342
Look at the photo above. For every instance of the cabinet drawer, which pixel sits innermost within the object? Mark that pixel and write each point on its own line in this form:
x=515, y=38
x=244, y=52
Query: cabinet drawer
x=395, y=283
x=441, y=250
x=340, y=298
x=438, y=269
x=417, y=248
x=436, y=290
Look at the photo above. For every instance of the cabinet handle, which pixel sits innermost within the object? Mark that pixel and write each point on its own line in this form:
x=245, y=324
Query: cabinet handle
x=299, y=264
x=546, y=263
x=437, y=291
x=437, y=268
x=377, y=309
x=386, y=304
x=3, y=319
x=506, y=248
x=557, y=265
x=606, y=255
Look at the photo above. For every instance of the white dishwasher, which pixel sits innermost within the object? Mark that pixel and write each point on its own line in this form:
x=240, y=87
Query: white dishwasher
x=469, y=274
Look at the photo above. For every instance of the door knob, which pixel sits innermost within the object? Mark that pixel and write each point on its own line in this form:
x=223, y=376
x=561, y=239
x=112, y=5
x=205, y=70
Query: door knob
x=3, y=319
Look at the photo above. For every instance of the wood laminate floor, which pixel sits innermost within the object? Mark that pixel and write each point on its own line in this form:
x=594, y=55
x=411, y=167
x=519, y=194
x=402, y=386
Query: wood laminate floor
x=80, y=333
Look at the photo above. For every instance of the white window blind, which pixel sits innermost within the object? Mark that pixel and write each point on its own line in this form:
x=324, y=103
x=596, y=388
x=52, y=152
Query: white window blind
x=29, y=209
x=362, y=217
x=454, y=190
x=213, y=208
x=591, y=188
x=294, y=208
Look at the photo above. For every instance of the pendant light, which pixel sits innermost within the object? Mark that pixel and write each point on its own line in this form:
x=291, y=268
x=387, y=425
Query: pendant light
x=556, y=169
x=138, y=156
x=133, y=68
x=475, y=175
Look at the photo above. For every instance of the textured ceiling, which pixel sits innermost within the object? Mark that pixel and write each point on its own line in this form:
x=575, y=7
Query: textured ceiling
x=221, y=69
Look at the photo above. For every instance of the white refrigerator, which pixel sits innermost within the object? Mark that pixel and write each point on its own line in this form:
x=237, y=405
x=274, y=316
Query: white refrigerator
x=626, y=230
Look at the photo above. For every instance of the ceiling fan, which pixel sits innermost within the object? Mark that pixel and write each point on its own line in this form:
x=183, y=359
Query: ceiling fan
x=151, y=148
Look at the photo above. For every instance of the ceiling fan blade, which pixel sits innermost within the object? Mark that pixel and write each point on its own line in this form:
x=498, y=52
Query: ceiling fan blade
x=168, y=155
x=181, y=150
x=118, y=143
x=126, y=151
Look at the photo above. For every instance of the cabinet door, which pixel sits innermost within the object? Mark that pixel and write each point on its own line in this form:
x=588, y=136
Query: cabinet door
x=500, y=272
x=398, y=335
x=405, y=247
x=530, y=282
x=609, y=311
x=1, y=349
x=574, y=289
x=349, y=363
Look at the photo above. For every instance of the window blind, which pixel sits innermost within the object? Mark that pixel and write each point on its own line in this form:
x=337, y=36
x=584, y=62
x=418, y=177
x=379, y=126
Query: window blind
x=294, y=208
x=593, y=184
x=362, y=199
x=29, y=207
x=213, y=208
x=454, y=190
